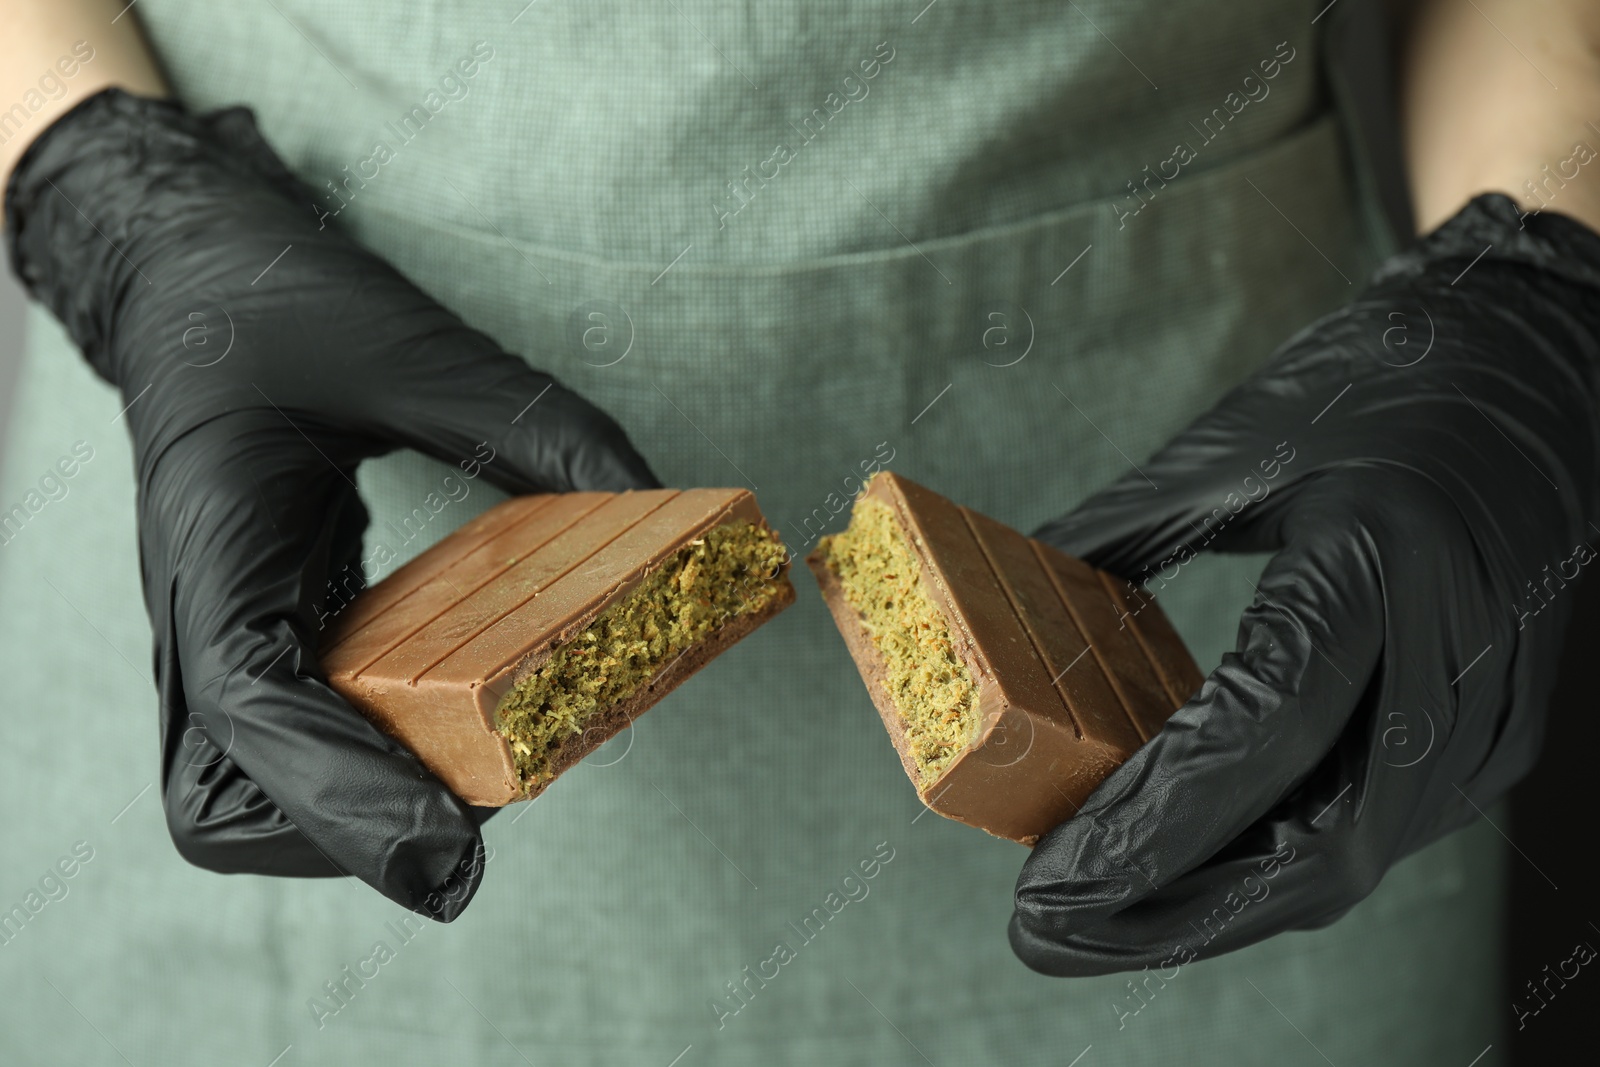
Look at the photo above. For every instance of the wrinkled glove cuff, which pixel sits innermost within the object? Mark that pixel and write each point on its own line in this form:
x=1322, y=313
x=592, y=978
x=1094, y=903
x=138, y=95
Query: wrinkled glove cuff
x=83, y=203
x=1491, y=228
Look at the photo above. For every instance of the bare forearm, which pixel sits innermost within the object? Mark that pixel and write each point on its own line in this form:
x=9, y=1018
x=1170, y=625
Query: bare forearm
x=54, y=53
x=1503, y=96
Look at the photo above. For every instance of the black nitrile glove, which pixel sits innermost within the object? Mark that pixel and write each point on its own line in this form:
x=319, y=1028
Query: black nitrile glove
x=138, y=224
x=1423, y=463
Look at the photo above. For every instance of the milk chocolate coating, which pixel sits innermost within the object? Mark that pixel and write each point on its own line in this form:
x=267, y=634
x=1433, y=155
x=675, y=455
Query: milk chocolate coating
x=1074, y=671
x=428, y=652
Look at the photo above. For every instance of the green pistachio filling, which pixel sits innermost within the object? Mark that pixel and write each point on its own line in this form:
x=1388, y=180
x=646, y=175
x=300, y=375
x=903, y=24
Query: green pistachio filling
x=732, y=570
x=932, y=688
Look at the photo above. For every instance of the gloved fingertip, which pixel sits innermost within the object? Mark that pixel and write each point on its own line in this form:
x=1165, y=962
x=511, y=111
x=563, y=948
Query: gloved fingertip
x=610, y=463
x=1036, y=952
x=622, y=471
x=1042, y=913
x=447, y=900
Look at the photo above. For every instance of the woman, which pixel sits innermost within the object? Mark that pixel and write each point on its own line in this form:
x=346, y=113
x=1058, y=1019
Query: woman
x=1008, y=256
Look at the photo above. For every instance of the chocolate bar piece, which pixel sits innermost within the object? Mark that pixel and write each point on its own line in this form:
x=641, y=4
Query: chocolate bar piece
x=1012, y=677
x=524, y=640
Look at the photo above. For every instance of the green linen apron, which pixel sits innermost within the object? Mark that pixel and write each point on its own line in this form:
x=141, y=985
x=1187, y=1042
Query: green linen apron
x=1005, y=254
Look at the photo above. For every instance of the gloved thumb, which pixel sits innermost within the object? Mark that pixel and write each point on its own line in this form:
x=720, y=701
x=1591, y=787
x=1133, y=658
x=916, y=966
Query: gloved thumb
x=460, y=398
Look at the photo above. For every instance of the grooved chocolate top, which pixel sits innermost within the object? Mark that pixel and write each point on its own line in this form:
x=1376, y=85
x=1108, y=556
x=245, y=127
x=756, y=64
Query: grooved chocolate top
x=1073, y=672
x=428, y=652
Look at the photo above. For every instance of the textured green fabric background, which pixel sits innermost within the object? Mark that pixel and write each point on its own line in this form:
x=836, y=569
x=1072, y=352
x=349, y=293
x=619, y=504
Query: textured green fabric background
x=844, y=313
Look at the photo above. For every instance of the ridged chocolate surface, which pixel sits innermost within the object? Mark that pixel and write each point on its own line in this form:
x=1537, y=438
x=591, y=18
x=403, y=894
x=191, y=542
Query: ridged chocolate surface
x=1074, y=671
x=428, y=652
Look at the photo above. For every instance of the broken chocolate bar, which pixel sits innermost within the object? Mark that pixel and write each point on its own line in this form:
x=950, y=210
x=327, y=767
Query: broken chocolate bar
x=1012, y=677
x=524, y=640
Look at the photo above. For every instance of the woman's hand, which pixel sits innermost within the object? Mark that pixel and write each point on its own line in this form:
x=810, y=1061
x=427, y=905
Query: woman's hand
x=1391, y=678
x=139, y=224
